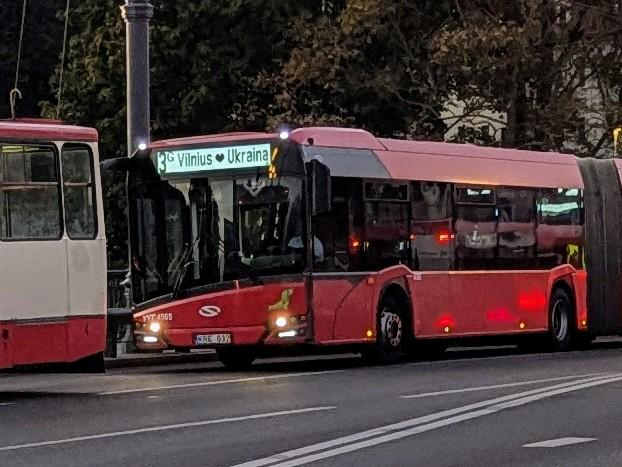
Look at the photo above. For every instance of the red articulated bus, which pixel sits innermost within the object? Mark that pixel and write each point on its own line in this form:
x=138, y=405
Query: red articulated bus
x=333, y=237
x=52, y=246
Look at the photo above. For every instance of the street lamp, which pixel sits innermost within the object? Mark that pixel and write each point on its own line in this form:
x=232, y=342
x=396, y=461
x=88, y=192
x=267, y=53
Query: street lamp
x=137, y=14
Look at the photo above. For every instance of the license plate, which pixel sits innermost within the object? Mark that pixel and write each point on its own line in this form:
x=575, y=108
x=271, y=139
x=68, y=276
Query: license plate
x=207, y=339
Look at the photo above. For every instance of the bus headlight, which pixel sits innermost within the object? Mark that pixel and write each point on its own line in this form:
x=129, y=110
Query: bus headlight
x=281, y=322
x=155, y=326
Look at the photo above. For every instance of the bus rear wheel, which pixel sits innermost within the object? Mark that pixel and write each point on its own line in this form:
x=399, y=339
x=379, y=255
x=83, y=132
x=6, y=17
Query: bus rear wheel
x=390, y=334
x=561, y=327
x=236, y=358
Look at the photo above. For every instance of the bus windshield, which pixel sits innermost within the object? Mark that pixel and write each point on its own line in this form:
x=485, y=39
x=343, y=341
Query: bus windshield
x=193, y=232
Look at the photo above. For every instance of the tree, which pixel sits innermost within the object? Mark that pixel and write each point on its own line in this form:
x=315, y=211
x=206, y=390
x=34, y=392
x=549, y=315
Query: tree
x=38, y=63
x=546, y=64
x=369, y=67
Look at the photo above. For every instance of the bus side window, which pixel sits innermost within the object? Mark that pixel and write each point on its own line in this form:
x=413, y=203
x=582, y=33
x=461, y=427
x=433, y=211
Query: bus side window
x=331, y=229
x=516, y=227
x=79, y=191
x=476, y=227
x=386, y=224
x=432, y=237
x=30, y=192
x=560, y=227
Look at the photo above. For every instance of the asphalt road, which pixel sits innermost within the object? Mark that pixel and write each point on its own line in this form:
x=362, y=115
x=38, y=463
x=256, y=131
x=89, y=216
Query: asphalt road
x=486, y=407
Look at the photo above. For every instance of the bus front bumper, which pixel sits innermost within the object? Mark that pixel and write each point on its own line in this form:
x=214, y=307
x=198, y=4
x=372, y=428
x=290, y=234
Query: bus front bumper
x=215, y=337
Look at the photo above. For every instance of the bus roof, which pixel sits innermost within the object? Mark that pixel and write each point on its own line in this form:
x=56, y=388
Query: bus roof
x=45, y=130
x=419, y=160
x=211, y=139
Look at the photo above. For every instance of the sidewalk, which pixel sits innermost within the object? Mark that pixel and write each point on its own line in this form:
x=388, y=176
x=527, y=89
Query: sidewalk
x=125, y=360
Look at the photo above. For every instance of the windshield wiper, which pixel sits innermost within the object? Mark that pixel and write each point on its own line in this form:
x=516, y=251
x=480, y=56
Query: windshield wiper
x=181, y=269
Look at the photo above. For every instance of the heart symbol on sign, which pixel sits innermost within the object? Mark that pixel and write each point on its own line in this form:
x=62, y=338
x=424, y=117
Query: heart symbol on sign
x=220, y=157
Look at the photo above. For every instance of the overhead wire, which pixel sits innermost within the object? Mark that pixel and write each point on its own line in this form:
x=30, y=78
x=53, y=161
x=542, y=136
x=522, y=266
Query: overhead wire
x=62, y=61
x=15, y=92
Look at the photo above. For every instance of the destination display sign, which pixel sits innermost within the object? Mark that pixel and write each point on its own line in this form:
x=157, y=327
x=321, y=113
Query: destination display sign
x=180, y=161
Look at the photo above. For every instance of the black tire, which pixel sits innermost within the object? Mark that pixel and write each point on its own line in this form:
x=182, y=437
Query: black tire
x=561, y=327
x=236, y=358
x=92, y=364
x=392, y=333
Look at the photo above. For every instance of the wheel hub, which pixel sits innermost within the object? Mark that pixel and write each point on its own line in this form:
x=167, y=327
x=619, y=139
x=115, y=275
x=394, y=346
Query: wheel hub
x=391, y=326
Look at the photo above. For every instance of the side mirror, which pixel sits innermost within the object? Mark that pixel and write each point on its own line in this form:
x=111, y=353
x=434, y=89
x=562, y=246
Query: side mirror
x=320, y=187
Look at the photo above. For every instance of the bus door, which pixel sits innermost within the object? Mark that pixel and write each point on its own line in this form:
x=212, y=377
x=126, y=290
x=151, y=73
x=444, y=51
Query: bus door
x=86, y=250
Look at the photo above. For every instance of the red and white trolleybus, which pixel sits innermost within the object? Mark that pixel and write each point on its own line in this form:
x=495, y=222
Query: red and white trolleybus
x=332, y=237
x=52, y=245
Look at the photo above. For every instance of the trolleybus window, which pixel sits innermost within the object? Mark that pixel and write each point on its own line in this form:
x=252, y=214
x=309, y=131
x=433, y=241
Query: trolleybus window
x=386, y=223
x=516, y=227
x=476, y=227
x=560, y=228
x=29, y=192
x=432, y=236
x=78, y=189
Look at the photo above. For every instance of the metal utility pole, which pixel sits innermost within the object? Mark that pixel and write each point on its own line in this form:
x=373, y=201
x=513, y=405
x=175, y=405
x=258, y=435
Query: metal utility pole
x=137, y=14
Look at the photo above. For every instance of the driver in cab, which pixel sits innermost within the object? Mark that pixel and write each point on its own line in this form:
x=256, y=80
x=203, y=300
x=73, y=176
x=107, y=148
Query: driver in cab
x=296, y=246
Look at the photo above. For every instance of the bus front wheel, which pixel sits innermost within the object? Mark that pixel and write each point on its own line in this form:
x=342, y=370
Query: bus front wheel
x=236, y=358
x=390, y=333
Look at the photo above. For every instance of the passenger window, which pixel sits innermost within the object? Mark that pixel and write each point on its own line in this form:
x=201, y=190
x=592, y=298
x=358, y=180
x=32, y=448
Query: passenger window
x=79, y=191
x=516, y=228
x=560, y=227
x=476, y=227
x=29, y=192
x=331, y=230
x=386, y=225
x=432, y=237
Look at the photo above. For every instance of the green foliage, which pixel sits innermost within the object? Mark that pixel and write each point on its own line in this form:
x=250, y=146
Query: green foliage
x=42, y=44
x=548, y=64
x=369, y=67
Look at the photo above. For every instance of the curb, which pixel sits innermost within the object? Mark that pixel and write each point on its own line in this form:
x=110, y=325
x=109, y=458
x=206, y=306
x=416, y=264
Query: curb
x=161, y=359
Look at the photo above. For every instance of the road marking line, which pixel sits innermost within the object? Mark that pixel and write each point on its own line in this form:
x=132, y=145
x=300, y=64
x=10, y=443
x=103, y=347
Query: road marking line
x=496, y=386
x=460, y=412
x=218, y=382
x=165, y=428
x=555, y=443
x=6, y=403
x=441, y=423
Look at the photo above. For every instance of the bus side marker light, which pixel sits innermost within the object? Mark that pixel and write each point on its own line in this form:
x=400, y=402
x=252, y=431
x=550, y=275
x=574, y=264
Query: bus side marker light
x=584, y=322
x=446, y=329
x=369, y=333
x=522, y=325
